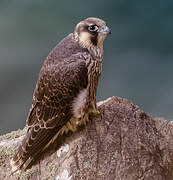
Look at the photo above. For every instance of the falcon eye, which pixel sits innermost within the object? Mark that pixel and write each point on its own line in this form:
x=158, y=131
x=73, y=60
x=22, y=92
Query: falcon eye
x=93, y=28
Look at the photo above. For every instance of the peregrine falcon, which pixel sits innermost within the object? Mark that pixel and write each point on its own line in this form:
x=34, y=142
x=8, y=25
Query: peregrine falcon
x=65, y=93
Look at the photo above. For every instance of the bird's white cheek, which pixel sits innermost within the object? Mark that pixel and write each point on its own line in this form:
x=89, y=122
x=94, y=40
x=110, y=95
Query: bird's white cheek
x=79, y=103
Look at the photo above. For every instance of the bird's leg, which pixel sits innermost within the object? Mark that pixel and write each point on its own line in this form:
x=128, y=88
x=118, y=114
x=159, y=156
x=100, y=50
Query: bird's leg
x=93, y=111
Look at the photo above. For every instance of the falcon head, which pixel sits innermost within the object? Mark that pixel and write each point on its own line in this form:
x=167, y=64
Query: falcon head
x=91, y=32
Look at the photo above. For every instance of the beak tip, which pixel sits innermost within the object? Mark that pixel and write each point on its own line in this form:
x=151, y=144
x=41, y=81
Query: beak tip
x=109, y=31
x=105, y=30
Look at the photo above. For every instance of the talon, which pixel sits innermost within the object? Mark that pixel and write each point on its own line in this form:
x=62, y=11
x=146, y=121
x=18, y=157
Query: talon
x=97, y=114
x=94, y=113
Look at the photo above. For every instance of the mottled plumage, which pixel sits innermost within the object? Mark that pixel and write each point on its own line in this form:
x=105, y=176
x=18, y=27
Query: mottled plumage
x=65, y=93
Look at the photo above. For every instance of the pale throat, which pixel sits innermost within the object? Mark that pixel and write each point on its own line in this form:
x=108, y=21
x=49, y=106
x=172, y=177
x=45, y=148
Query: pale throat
x=84, y=41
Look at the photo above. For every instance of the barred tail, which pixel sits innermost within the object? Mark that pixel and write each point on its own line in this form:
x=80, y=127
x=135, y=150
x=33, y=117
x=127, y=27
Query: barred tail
x=32, y=146
x=37, y=139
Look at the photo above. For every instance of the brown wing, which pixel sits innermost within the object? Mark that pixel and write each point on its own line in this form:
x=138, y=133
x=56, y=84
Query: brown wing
x=56, y=88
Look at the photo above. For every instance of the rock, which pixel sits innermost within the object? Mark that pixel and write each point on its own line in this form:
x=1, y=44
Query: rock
x=123, y=144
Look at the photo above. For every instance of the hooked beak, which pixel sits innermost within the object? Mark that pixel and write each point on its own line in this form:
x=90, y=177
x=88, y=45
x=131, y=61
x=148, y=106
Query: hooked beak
x=104, y=30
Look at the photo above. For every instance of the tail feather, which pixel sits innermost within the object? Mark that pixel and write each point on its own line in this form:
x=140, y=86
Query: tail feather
x=35, y=142
x=31, y=147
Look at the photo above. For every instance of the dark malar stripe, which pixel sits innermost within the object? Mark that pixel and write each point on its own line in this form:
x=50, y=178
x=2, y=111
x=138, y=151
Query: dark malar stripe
x=94, y=39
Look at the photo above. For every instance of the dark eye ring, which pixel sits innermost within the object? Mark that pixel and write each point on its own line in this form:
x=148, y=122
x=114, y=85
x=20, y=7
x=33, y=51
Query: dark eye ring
x=93, y=28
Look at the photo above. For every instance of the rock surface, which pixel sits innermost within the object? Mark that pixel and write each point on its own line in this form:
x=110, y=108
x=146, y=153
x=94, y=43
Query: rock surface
x=123, y=144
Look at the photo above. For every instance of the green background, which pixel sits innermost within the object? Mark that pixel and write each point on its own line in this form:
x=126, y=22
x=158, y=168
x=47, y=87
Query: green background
x=138, y=57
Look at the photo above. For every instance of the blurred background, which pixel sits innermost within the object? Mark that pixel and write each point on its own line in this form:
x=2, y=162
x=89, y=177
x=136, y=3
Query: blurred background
x=138, y=57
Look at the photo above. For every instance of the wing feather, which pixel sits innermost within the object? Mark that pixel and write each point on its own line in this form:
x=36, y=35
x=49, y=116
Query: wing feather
x=55, y=91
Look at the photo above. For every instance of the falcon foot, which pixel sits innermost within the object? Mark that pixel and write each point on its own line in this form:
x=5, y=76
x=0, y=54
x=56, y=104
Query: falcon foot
x=94, y=113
